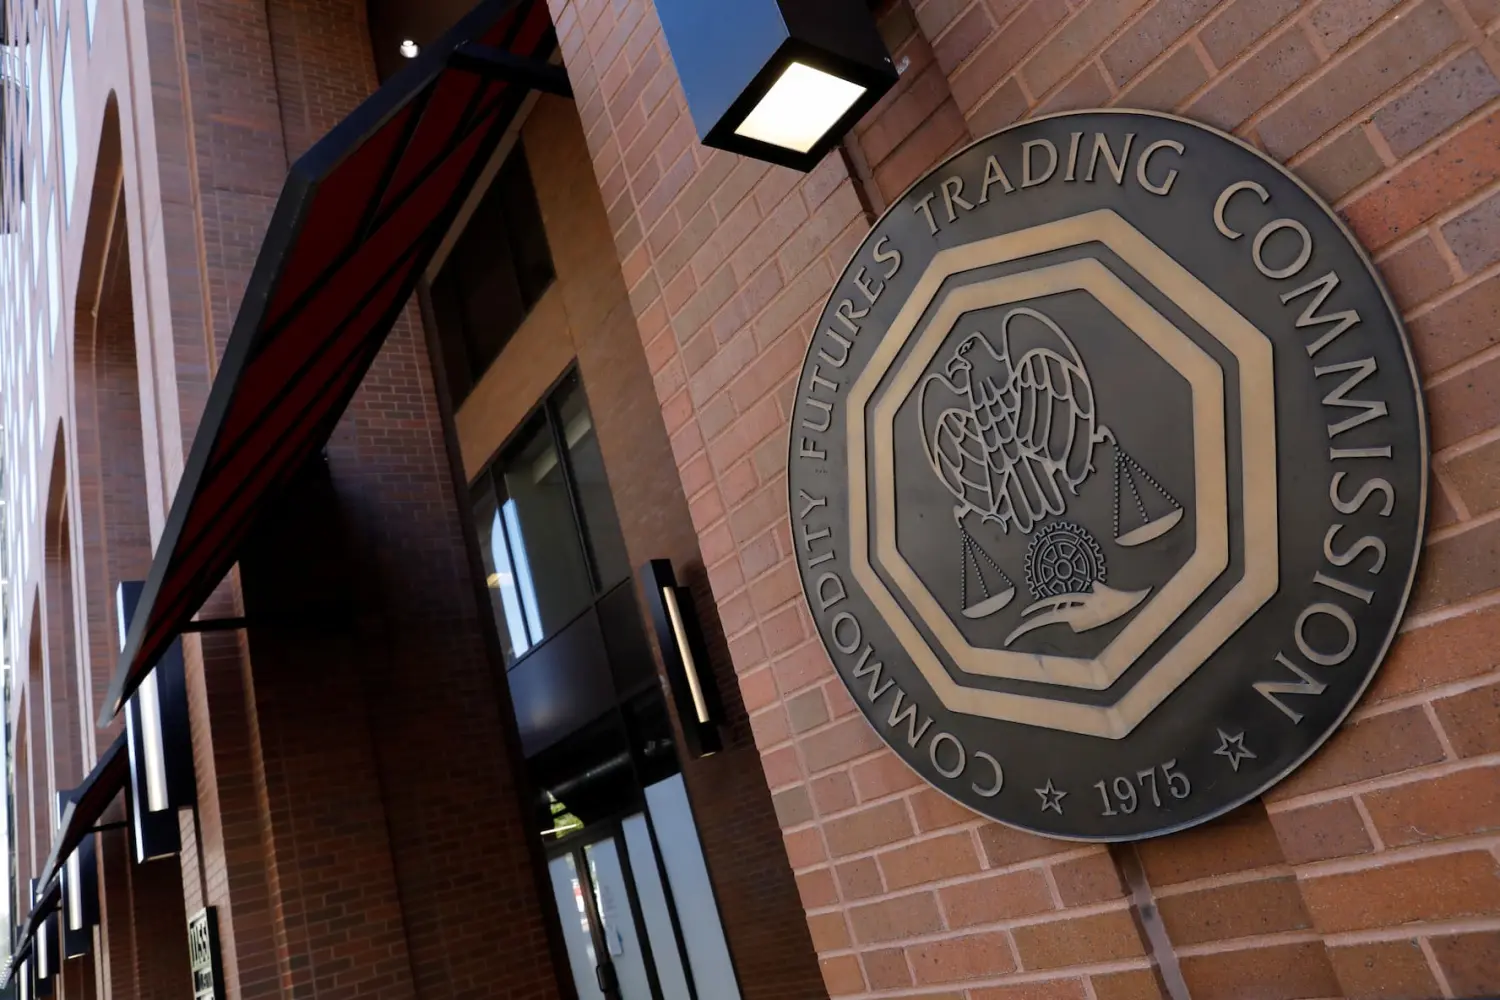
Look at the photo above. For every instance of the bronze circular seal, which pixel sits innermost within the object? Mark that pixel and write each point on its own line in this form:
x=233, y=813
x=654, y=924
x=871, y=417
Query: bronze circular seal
x=1107, y=474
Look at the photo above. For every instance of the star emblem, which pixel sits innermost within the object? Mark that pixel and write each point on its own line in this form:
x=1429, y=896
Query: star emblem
x=1051, y=797
x=1234, y=748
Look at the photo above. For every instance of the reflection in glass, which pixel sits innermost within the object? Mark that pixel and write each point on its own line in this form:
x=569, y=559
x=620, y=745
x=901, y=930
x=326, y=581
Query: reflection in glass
x=44, y=86
x=653, y=900
x=612, y=900
x=567, y=893
x=524, y=582
x=539, y=519
x=69, y=138
x=495, y=276
x=687, y=877
x=601, y=524
x=502, y=581
x=53, y=266
x=534, y=560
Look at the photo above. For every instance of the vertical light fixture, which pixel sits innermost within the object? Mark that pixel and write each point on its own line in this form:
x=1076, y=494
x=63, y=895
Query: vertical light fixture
x=777, y=80
x=153, y=763
x=44, y=953
x=80, y=899
x=680, y=638
x=160, y=743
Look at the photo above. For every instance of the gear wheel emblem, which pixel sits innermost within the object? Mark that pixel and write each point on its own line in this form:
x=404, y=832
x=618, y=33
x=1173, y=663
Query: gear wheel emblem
x=1063, y=558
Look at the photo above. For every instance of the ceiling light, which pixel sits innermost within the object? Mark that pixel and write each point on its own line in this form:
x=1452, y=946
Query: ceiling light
x=409, y=48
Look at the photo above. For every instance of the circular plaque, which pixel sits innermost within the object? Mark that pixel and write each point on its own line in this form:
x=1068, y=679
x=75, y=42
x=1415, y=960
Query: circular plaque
x=1107, y=474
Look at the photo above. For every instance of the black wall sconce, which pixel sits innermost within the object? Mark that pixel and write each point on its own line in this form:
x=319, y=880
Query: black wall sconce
x=777, y=80
x=80, y=899
x=160, y=741
x=44, y=956
x=680, y=637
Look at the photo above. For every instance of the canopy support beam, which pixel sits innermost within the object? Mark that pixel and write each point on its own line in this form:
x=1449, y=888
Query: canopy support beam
x=216, y=624
x=498, y=64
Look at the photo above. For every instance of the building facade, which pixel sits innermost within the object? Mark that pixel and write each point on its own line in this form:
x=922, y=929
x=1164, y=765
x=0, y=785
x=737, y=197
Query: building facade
x=433, y=744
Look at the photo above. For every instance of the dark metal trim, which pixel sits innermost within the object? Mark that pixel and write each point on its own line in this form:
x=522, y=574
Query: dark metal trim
x=497, y=64
x=216, y=624
x=1166, y=969
x=246, y=338
x=701, y=737
x=570, y=486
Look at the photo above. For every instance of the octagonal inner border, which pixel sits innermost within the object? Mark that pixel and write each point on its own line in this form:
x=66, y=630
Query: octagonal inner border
x=1211, y=553
x=1258, y=433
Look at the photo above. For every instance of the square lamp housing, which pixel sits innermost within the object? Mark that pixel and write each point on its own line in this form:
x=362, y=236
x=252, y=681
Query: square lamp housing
x=777, y=80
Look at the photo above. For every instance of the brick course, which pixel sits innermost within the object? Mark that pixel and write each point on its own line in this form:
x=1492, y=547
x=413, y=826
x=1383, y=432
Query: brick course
x=1388, y=109
x=1371, y=872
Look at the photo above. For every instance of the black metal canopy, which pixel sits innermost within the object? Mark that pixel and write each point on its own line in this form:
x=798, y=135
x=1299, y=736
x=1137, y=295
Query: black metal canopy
x=360, y=216
x=358, y=221
x=85, y=805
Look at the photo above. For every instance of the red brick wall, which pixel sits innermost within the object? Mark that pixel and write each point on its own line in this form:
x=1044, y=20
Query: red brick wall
x=115, y=960
x=143, y=939
x=62, y=663
x=20, y=737
x=357, y=826
x=113, y=526
x=1374, y=870
x=735, y=815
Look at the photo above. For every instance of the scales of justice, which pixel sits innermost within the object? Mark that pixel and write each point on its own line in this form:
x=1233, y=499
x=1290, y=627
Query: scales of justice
x=1012, y=439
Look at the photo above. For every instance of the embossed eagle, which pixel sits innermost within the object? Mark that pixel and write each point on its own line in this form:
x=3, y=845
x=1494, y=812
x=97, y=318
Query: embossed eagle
x=1011, y=437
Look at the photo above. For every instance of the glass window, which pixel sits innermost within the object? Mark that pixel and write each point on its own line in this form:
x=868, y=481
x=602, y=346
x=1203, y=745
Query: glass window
x=601, y=526
x=52, y=265
x=41, y=377
x=68, y=138
x=548, y=533
x=536, y=564
x=33, y=236
x=12, y=87
x=497, y=272
x=90, y=11
x=44, y=86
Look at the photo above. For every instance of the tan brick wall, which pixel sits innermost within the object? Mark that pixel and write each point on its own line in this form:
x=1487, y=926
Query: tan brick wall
x=1376, y=869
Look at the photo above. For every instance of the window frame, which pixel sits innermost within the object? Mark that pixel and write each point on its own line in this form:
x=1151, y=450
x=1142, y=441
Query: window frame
x=546, y=410
x=446, y=286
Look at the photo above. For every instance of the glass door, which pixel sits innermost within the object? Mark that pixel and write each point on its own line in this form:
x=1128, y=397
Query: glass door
x=576, y=911
x=622, y=939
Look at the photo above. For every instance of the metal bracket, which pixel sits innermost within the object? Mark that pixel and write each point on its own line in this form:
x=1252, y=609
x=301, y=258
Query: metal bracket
x=216, y=624
x=498, y=64
x=337, y=616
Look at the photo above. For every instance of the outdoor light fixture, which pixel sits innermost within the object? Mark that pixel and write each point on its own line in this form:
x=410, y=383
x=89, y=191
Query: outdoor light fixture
x=80, y=899
x=409, y=48
x=800, y=108
x=160, y=744
x=45, y=954
x=683, y=653
x=778, y=80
